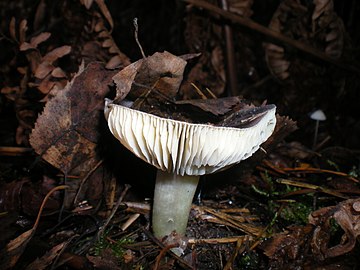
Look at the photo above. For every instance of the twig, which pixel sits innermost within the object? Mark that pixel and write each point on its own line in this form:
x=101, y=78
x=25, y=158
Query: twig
x=84, y=180
x=317, y=170
x=230, y=262
x=181, y=261
x=15, y=151
x=162, y=254
x=230, y=54
x=216, y=241
x=313, y=187
x=136, y=37
x=101, y=231
x=272, y=34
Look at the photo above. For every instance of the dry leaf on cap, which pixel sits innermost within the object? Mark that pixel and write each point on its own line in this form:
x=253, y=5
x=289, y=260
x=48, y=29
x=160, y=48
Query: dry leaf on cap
x=160, y=72
x=65, y=134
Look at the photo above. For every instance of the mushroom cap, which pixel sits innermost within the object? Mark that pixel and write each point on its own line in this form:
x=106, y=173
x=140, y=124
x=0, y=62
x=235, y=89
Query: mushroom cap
x=186, y=148
x=318, y=115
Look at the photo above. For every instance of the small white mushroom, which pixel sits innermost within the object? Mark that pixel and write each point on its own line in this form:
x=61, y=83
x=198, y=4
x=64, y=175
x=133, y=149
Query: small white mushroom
x=181, y=152
x=318, y=116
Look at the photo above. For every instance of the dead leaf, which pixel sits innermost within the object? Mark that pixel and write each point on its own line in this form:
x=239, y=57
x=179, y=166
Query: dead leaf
x=43, y=69
x=241, y=7
x=161, y=73
x=35, y=41
x=87, y=3
x=288, y=248
x=12, y=29
x=325, y=31
x=219, y=106
x=47, y=259
x=114, y=62
x=65, y=134
x=57, y=53
x=105, y=11
x=58, y=73
x=22, y=31
x=106, y=260
x=347, y=215
x=13, y=250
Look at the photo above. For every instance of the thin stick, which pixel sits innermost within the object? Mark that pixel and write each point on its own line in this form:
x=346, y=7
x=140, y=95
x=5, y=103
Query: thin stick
x=230, y=54
x=136, y=37
x=101, y=231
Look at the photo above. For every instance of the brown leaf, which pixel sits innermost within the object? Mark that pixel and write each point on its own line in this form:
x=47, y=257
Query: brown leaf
x=65, y=134
x=47, y=259
x=114, y=62
x=58, y=73
x=87, y=3
x=242, y=7
x=163, y=71
x=124, y=79
x=284, y=249
x=43, y=69
x=22, y=31
x=107, y=260
x=35, y=41
x=57, y=53
x=219, y=106
x=160, y=72
x=13, y=250
x=10, y=195
x=321, y=6
x=12, y=29
x=104, y=10
x=347, y=215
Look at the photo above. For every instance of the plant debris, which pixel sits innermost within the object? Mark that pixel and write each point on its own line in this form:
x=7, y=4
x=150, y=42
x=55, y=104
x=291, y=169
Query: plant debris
x=71, y=198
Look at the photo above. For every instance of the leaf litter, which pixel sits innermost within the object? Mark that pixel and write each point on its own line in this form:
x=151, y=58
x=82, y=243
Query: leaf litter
x=286, y=207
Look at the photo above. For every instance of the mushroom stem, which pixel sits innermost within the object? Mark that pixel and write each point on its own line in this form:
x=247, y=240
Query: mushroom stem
x=172, y=202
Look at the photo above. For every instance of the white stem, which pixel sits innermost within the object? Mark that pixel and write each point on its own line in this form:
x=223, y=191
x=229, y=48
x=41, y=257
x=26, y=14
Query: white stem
x=172, y=202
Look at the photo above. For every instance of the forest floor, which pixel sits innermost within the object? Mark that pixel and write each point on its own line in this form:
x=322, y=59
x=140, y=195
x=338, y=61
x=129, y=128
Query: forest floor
x=72, y=197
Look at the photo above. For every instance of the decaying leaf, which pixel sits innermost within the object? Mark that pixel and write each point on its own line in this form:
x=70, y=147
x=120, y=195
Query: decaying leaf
x=242, y=7
x=288, y=248
x=47, y=259
x=323, y=30
x=13, y=250
x=347, y=215
x=65, y=134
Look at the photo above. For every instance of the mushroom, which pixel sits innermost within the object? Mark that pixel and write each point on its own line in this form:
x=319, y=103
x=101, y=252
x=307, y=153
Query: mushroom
x=182, y=152
x=318, y=116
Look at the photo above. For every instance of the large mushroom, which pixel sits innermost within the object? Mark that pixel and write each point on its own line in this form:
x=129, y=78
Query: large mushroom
x=182, y=152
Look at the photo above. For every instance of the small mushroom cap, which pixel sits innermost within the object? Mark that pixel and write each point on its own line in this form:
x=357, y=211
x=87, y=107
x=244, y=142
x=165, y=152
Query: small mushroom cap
x=318, y=115
x=186, y=148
